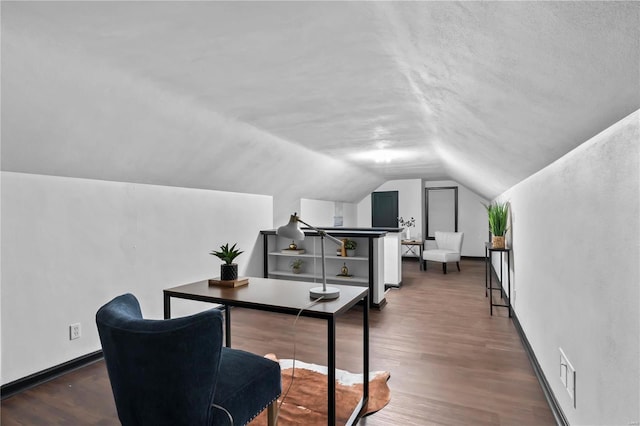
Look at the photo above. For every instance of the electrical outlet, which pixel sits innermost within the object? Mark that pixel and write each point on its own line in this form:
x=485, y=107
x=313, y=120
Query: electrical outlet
x=74, y=331
x=568, y=376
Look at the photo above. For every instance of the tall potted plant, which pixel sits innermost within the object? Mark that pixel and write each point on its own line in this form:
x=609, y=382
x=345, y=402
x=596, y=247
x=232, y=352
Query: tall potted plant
x=228, y=270
x=498, y=214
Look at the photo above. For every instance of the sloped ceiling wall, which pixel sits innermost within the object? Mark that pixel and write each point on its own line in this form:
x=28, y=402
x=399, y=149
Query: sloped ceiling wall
x=321, y=100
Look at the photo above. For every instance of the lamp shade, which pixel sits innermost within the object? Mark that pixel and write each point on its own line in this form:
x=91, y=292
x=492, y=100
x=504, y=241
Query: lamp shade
x=291, y=230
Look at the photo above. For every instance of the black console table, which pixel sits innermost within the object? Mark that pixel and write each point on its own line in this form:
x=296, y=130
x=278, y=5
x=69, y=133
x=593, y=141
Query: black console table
x=488, y=277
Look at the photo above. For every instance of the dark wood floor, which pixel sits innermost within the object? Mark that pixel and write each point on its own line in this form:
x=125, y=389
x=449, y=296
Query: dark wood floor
x=450, y=362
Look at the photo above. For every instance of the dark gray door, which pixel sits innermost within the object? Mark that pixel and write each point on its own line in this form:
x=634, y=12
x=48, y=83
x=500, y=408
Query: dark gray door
x=384, y=209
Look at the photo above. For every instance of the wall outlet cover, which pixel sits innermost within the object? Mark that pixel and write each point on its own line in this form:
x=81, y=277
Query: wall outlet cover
x=74, y=331
x=568, y=376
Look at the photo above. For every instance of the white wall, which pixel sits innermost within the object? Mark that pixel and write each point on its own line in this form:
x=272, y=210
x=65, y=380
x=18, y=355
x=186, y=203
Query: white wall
x=318, y=213
x=349, y=215
x=363, y=212
x=575, y=238
x=409, y=203
x=321, y=213
x=472, y=217
x=70, y=245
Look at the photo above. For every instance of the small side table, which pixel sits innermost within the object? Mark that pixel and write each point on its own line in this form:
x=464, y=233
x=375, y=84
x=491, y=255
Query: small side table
x=488, y=277
x=411, y=247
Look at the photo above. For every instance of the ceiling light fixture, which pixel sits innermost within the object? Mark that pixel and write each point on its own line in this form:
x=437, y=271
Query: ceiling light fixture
x=380, y=156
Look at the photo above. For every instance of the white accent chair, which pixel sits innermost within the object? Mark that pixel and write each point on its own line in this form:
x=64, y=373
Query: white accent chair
x=448, y=247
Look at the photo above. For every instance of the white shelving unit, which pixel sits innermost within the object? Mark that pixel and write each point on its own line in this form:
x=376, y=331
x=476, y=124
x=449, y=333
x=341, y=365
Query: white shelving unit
x=312, y=266
x=365, y=266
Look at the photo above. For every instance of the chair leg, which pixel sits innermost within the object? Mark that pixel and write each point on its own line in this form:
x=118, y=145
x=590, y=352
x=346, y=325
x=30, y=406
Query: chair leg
x=458, y=264
x=444, y=268
x=272, y=411
x=424, y=264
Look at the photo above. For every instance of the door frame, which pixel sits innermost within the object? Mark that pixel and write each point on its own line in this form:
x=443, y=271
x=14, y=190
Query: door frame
x=426, y=207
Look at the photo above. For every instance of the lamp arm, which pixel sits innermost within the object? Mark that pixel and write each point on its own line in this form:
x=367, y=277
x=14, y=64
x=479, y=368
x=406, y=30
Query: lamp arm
x=323, y=233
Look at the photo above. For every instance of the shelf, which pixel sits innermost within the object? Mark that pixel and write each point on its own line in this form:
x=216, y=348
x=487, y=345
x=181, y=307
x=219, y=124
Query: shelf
x=364, y=265
x=277, y=253
x=333, y=257
x=291, y=274
x=317, y=256
x=330, y=277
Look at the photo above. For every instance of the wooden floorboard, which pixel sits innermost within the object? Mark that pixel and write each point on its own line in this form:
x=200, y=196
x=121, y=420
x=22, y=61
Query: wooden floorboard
x=451, y=363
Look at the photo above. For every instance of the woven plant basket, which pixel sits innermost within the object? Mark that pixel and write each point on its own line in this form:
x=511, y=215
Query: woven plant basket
x=497, y=242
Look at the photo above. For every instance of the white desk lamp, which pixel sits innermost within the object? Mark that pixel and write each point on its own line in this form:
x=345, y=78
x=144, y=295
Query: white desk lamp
x=292, y=230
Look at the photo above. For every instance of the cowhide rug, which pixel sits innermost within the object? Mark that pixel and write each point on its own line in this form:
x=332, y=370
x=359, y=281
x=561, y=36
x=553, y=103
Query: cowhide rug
x=306, y=401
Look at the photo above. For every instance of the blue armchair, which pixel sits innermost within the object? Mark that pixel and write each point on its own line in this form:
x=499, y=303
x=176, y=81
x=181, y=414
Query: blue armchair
x=176, y=372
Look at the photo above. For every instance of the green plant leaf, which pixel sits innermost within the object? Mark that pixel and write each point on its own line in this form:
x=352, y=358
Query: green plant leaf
x=498, y=214
x=350, y=244
x=227, y=254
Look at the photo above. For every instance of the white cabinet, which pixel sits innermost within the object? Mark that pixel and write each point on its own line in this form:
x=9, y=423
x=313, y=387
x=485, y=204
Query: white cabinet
x=392, y=260
x=365, y=266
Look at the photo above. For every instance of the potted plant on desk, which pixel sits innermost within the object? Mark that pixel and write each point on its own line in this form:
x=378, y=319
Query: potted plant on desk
x=228, y=270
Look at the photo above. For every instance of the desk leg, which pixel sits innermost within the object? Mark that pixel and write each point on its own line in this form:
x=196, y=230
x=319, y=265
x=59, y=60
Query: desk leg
x=331, y=371
x=167, y=306
x=486, y=268
x=227, y=326
x=509, y=280
x=490, y=287
x=501, y=279
x=365, y=350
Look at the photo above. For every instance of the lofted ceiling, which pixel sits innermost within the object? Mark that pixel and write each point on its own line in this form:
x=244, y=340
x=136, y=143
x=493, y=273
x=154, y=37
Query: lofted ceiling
x=320, y=99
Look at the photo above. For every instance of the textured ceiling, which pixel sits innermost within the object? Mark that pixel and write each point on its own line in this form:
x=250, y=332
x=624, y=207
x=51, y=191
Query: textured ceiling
x=241, y=96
